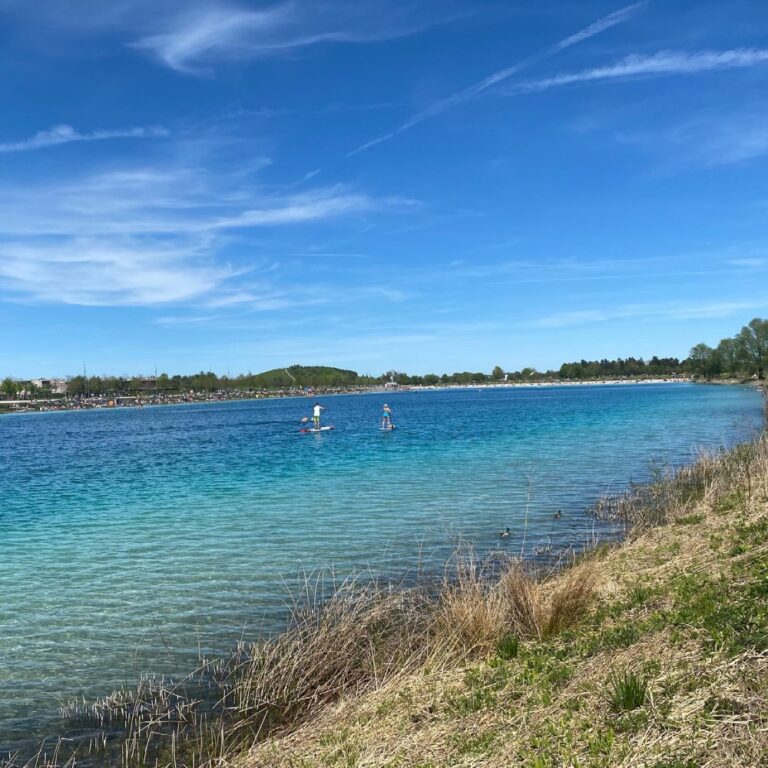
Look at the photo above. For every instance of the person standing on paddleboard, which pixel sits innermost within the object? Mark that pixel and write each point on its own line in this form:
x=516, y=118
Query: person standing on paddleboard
x=316, y=411
x=386, y=417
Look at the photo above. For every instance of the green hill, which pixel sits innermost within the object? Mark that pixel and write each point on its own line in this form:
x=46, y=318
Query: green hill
x=304, y=376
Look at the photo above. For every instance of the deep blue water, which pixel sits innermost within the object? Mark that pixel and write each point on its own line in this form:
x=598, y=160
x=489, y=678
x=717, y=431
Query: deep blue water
x=133, y=540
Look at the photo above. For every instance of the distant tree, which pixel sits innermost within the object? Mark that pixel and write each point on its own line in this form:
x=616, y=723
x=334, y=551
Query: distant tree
x=76, y=386
x=752, y=344
x=728, y=354
x=700, y=359
x=497, y=373
x=95, y=385
x=9, y=387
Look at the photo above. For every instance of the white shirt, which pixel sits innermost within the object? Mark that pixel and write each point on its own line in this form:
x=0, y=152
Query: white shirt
x=316, y=410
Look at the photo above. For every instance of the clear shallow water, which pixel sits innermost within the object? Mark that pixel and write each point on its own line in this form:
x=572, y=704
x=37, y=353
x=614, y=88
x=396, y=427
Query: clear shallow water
x=132, y=540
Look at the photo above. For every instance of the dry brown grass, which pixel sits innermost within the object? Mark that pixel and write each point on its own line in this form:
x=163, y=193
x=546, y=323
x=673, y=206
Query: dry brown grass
x=365, y=635
x=571, y=598
x=358, y=638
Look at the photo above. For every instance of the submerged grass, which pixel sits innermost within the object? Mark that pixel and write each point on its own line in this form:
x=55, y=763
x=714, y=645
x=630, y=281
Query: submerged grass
x=492, y=666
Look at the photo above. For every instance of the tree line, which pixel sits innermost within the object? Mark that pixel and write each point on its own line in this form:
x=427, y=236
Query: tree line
x=742, y=355
x=746, y=353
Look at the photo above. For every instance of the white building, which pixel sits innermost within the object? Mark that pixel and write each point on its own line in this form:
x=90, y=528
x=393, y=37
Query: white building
x=55, y=386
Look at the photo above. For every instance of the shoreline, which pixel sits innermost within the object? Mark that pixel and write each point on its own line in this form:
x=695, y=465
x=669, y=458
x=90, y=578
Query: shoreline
x=9, y=407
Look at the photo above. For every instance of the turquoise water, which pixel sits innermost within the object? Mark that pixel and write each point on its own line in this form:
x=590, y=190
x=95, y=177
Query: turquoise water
x=133, y=540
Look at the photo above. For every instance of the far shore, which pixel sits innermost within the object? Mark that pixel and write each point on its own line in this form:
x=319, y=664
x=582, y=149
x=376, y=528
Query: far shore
x=148, y=400
x=152, y=399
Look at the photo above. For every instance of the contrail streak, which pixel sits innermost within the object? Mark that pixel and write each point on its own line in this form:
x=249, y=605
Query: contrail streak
x=617, y=17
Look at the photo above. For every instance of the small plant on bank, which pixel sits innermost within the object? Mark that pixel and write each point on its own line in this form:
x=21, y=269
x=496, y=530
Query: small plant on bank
x=638, y=594
x=508, y=647
x=627, y=691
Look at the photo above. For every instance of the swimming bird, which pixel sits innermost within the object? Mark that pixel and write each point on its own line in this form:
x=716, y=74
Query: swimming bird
x=557, y=515
x=505, y=534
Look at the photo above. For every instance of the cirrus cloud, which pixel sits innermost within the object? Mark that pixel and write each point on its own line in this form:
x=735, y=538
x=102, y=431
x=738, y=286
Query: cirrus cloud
x=148, y=236
x=66, y=134
x=661, y=64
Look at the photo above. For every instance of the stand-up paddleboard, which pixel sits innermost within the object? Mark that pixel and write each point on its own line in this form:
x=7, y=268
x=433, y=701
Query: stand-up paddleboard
x=388, y=429
x=307, y=430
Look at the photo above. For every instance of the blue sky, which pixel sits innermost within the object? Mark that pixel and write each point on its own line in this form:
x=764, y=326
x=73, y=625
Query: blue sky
x=425, y=186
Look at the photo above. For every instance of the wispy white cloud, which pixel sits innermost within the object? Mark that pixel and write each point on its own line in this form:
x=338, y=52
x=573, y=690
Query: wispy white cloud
x=210, y=31
x=750, y=262
x=670, y=311
x=195, y=36
x=163, y=202
x=438, y=107
x=146, y=236
x=66, y=134
x=192, y=36
x=321, y=204
x=662, y=64
x=174, y=320
x=107, y=272
x=709, y=139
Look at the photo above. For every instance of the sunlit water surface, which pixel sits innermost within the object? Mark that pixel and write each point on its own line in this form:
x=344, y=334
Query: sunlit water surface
x=134, y=540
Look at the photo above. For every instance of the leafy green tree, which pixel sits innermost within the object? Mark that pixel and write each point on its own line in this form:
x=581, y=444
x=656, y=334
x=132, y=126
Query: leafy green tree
x=497, y=373
x=752, y=343
x=95, y=385
x=9, y=387
x=728, y=353
x=700, y=359
x=76, y=386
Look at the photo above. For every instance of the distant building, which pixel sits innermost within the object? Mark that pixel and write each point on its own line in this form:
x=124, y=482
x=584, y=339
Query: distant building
x=55, y=386
x=391, y=385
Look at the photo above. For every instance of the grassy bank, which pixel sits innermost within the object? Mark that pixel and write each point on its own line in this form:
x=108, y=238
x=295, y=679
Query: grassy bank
x=652, y=653
x=666, y=667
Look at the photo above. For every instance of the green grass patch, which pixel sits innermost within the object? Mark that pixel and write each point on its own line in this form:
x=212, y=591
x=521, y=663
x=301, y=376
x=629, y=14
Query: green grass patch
x=466, y=744
x=627, y=691
x=732, y=609
x=508, y=647
x=474, y=701
x=690, y=520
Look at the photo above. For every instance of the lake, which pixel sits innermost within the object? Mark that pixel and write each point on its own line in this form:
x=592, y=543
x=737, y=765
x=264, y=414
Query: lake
x=134, y=540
